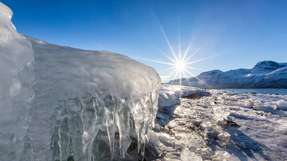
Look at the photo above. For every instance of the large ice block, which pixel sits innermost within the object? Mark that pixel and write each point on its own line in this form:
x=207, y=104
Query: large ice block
x=70, y=104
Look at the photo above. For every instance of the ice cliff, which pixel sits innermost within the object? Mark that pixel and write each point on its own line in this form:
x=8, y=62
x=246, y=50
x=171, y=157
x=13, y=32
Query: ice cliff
x=64, y=104
x=16, y=70
x=265, y=74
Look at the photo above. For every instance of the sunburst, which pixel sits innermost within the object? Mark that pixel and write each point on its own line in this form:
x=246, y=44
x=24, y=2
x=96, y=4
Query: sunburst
x=179, y=63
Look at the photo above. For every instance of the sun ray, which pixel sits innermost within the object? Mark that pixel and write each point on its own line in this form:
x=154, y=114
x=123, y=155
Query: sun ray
x=179, y=39
x=194, y=68
x=179, y=60
x=193, y=76
x=167, y=40
x=200, y=60
x=155, y=61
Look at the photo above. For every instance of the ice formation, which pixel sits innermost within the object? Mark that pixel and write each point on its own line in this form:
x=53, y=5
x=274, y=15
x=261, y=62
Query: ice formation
x=71, y=104
x=16, y=70
x=222, y=126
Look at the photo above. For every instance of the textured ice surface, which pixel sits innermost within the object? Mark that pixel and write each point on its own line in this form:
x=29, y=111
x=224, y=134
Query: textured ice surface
x=84, y=96
x=16, y=78
x=169, y=98
x=222, y=127
x=63, y=104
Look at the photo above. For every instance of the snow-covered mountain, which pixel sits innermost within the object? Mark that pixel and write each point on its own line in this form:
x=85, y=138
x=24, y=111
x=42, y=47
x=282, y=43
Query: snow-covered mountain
x=59, y=103
x=265, y=74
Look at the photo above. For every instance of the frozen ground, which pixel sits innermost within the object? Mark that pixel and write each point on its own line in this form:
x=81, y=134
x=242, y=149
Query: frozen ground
x=220, y=126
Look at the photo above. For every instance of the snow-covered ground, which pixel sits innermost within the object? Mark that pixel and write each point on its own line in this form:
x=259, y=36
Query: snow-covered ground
x=220, y=126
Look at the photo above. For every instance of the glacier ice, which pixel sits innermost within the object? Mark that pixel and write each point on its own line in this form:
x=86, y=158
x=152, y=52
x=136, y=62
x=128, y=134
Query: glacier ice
x=63, y=104
x=16, y=70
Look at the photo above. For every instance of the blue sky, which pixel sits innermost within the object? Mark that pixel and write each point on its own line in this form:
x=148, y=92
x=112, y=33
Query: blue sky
x=231, y=33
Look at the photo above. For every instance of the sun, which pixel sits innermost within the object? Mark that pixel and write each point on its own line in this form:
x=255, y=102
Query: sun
x=178, y=61
x=180, y=66
x=177, y=65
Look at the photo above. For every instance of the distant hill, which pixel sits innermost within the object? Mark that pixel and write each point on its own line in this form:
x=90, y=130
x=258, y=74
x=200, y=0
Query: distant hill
x=265, y=74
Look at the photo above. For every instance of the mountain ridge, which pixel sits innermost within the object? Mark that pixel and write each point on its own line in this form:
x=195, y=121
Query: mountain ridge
x=265, y=74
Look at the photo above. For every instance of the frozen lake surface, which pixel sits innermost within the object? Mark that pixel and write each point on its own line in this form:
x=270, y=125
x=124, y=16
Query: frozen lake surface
x=276, y=91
